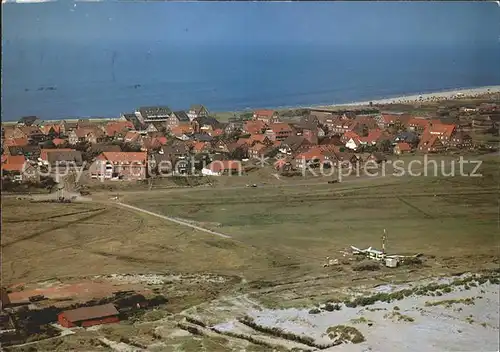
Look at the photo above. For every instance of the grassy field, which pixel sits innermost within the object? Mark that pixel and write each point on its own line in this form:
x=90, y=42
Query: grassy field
x=280, y=234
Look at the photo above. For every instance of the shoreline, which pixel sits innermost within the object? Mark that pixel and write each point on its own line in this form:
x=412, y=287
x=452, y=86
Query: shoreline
x=403, y=99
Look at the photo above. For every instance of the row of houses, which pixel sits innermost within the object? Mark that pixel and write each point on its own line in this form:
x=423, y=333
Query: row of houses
x=157, y=135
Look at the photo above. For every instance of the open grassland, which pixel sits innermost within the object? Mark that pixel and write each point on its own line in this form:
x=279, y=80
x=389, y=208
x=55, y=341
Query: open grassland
x=280, y=234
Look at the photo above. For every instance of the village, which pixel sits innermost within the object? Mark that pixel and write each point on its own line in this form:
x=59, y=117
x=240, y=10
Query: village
x=136, y=146
x=184, y=266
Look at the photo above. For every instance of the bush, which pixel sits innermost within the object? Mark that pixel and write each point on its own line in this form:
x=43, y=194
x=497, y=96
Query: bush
x=274, y=331
x=343, y=334
x=196, y=322
x=367, y=266
x=314, y=311
x=331, y=307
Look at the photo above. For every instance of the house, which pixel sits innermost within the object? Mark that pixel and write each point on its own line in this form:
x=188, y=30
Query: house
x=234, y=125
x=132, y=137
x=112, y=129
x=222, y=167
x=254, y=127
x=417, y=124
x=200, y=147
x=408, y=137
x=339, y=124
x=309, y=121
x=331, y=140
x=101, y=147
x=444, y=132
x=31, y=152
x=204, y=124
x=279, y=131
x=321, y=116
x=461, y=140
x=216, y=133
x=151, y=128
x=202, y=137
x=292, y=145
x=28, y=121
x=61, y=158
x=256, y=151
x=402, y=148
x=88, y=135
x=138, y=125
x=313, y=157
x=16, y=142
x=128, y=166
x=59, y=142
x=32, y=133
x=170, y=158
x=392, y=119
x=149, y=114
x=177, y=118
x=18, y=169
x=267, y=116
x=181, y=130
x=430, y=144
x=196, y=111
x=51, y=130
x=89, y=316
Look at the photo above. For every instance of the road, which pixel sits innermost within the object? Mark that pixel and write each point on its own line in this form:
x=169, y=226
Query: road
x=177, y=221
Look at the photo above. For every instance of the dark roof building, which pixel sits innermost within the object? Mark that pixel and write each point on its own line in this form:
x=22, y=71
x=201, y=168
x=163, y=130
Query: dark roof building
x=181, y=116
x=135, y=121
x=28, y=120
x=153, y=113
x=62, y=156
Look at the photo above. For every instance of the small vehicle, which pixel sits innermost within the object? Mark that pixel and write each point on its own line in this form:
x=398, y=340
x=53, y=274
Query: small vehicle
x=333, y=181
x=254, y=185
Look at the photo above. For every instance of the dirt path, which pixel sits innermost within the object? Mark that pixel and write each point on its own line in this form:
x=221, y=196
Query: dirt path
x=177, y=221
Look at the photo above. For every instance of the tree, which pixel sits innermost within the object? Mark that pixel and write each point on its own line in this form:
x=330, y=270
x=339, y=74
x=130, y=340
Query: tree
x=385, y=146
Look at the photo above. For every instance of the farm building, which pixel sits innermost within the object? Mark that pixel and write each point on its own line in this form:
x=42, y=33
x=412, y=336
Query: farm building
x=88, y=316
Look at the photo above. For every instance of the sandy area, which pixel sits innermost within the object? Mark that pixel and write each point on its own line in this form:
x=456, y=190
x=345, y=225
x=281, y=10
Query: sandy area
x=457, y=326
x=436, y=96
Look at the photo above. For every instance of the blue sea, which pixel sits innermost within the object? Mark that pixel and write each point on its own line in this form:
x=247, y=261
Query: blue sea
x=57, y=77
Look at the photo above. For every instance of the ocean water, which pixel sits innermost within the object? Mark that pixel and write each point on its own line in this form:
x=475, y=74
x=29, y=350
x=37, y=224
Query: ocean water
x=109, y=76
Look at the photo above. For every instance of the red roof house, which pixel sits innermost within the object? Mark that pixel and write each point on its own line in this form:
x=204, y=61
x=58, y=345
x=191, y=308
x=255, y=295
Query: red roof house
x=120, y=165
x=402, y=148
x=88, y=316
x=220, y=167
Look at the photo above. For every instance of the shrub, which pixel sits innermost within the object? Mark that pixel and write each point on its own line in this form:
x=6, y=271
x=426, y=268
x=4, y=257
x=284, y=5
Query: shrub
x=195, y=322
x=314, y=311
x=367, y=266
x=274, y=331
x=331, y=307
x=343, y=333
x=396, y=308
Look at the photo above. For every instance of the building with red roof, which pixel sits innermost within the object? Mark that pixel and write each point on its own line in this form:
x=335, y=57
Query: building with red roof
x=129, y=166
x=402, y=148
x=88, y=316
x=221, y=167
x=279, y=131
x=267, y=116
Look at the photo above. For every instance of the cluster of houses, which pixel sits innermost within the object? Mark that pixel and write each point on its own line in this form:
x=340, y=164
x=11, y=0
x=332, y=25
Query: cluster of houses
x=130, y=147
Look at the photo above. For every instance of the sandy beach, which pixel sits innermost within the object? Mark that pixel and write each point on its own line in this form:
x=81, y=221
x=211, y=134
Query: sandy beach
x=427, y=97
